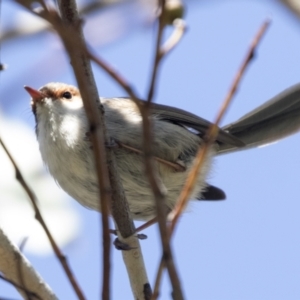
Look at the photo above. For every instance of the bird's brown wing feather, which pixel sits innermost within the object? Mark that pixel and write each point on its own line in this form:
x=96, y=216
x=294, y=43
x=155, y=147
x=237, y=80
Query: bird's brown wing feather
x=179, y=116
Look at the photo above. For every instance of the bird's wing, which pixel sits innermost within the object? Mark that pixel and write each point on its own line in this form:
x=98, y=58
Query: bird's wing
x=182, y=117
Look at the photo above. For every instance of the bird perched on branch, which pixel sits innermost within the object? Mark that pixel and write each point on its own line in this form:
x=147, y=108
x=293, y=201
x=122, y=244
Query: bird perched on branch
x=62, y=131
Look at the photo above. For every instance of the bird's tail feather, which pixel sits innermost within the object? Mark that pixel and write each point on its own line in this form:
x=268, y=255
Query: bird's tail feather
x=270, y=122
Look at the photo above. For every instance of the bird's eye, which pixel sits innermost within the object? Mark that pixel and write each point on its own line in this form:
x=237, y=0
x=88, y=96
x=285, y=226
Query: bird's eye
x=67, y=95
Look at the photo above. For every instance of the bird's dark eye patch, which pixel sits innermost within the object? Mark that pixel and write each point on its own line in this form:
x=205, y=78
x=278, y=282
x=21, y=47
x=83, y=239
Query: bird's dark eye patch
x=67, y=95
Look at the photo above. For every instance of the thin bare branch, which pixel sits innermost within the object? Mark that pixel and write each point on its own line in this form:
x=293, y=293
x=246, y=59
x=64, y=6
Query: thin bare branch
x=147, y=138
x=152, y=176
x=62, y=259
x=70, y=32
x=21, y=28
x=146, y=124
x=116, y=76
x=76, y=49
x=203, y=151
x=158, y=278
x=157, y=54
x=176, y=167
x=162, y=50
x=89, y=93
x=161, y=212
x=213, y=131
x=146, y=225
x=153, y=179
x=124, y=84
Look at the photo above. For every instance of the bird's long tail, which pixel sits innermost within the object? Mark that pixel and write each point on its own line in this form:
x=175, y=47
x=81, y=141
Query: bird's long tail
x=275, y=119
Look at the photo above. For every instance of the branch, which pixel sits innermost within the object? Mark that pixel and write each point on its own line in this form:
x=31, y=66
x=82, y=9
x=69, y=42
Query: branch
x=62, y=259
x=152, y=176
x=293, y=6
x=209, y=139
x=147, y=136
x=12, y=262
x=212, y=133
x=69, y=29
x=161, y=212
x=167, y=12
x=149, y=164
x=135, y=265
x=23, y=27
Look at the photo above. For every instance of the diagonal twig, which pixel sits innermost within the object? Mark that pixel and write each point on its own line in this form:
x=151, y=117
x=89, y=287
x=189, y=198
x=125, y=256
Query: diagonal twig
x=173, y=165
x=28, y=293
x=213, y=130
x=203, y=151
x=161, y=212
x=38, y=216
x=70, y=23
x=147, y=137
x=71, y=35
x=154, y=182
x=147, y=131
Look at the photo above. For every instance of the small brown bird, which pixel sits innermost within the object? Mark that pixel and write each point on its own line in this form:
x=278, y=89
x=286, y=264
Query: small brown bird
x=63, y=135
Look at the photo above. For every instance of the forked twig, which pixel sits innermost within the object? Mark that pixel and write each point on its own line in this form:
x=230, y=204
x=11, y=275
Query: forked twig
x=39, y=217
x=161, y=50
x=158, y=53
x=70, y=32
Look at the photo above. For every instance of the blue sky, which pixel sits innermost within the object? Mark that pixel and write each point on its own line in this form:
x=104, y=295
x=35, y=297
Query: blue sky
x=246, y=247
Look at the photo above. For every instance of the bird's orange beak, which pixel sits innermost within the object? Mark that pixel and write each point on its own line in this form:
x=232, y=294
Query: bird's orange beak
x=35, y=94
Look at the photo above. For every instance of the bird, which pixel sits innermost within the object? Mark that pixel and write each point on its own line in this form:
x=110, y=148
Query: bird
x=62, y=130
